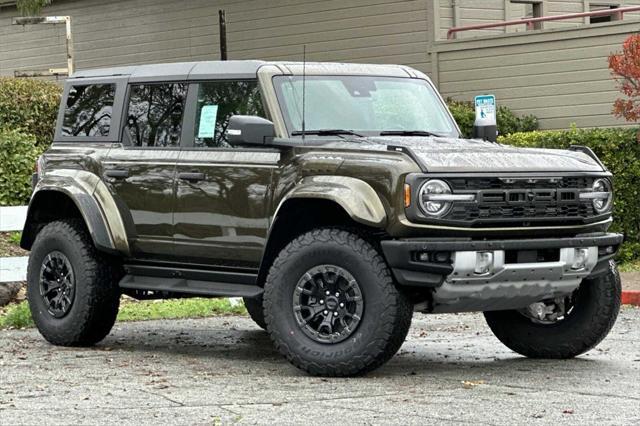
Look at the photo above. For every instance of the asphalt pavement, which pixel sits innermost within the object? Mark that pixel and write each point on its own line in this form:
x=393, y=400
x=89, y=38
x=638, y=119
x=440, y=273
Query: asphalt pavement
x=223, y=370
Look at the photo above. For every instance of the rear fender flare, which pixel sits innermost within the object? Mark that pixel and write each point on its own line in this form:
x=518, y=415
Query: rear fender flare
x=94, y=201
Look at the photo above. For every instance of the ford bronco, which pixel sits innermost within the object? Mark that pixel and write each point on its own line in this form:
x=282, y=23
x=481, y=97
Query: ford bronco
x=336, y=199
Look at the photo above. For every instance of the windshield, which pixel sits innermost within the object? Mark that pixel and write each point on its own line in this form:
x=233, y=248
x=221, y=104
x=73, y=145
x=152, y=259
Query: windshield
x=367, y=105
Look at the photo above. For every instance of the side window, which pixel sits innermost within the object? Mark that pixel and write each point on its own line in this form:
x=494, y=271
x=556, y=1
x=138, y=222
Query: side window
x=88, y=110
x=217, y=102
x=154, y=115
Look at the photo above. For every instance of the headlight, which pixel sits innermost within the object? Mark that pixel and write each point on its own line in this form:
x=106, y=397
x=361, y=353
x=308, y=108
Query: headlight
x=601, y=195
x=434, y=197
x=602, y=203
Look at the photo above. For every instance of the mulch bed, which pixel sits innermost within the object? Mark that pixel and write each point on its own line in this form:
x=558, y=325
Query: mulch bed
x=9, y=248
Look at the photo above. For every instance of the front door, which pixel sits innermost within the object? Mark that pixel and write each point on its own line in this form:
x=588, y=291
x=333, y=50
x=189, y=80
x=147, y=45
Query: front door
x=222, y=192
x=141, y=171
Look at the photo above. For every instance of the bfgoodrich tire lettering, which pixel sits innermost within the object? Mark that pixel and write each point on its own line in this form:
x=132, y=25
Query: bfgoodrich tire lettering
x=95, y=304
x=595, y=311
x=386, y=317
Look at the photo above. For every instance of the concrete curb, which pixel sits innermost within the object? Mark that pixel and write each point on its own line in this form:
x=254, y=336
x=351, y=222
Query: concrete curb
x=631, y=297
x=12, y=218
x=13, y=269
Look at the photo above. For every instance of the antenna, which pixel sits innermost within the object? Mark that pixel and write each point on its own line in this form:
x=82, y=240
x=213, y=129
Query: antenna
x=304, y=84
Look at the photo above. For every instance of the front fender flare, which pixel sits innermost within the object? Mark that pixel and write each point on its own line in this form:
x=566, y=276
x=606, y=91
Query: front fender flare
x=355, y=196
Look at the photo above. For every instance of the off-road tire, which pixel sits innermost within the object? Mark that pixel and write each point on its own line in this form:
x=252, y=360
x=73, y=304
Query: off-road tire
x=97, y=296
x=255, y=310
x=595, y=311
x=387, y=311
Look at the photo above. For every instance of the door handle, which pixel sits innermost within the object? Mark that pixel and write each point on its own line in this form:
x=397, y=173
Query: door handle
x=117, y=173
x=191, y=176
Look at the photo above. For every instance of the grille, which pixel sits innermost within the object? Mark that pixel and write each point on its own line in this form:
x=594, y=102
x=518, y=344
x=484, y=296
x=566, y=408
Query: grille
x=522, y=199
x=533, y=183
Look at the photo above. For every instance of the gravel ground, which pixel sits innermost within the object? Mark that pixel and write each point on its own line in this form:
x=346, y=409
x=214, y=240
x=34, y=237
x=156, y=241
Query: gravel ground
x=223, y=370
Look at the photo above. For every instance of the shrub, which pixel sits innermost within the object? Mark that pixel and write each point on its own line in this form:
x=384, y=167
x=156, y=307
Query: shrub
x=18, y=154
x=30, y=106
x=619, y=150
x=16, y=316
x=465, y=114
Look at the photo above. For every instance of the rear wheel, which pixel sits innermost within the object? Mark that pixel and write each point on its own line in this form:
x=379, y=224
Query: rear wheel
x=331, y=305
x=565, y=327
x=72, y=288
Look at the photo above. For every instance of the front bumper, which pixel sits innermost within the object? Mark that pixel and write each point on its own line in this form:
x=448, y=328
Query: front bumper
x=516, y=278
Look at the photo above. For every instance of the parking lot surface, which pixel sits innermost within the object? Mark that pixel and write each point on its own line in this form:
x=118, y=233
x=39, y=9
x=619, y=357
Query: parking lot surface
x=451, y=370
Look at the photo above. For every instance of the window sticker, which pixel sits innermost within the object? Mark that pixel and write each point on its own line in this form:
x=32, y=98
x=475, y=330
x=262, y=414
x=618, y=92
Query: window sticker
x=208, y=117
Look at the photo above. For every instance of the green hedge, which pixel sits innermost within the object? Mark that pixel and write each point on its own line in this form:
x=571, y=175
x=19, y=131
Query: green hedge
x=30, y=106
x=18, y=154
x=619, y=150
x=464, y=114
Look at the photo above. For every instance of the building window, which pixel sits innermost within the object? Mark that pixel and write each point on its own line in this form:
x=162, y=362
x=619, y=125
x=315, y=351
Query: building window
x=604, y=18
x=529, y=9
x=88, y=110
x=154, y=117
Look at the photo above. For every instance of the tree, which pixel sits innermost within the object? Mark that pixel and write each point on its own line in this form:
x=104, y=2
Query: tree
x=625, y=68
x=31, y=7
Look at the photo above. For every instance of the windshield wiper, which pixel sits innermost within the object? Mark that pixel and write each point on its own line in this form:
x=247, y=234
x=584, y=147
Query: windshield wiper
x=326, y=132
x=409, y=133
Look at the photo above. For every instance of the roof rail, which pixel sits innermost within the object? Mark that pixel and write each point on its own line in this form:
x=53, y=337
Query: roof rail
x=530, y=22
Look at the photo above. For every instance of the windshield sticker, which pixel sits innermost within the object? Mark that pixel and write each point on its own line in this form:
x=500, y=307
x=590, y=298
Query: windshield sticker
x=208, y=116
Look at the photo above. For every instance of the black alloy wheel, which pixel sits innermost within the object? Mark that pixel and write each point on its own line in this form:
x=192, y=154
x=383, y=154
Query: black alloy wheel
x=328, y=303
x=57, y=284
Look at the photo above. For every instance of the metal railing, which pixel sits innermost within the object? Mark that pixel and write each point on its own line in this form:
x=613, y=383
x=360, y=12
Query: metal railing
x=531, y=22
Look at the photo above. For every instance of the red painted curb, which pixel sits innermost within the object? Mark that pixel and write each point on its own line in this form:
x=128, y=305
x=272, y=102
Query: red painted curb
x=631, y=297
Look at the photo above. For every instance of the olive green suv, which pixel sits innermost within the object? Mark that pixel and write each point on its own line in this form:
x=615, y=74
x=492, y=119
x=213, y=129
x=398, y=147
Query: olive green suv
x=336, y=199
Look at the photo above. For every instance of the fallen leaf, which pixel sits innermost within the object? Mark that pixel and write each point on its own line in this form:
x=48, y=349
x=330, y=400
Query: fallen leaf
x=470, y=384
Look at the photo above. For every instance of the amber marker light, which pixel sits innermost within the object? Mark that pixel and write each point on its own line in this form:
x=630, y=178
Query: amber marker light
x=407, y=195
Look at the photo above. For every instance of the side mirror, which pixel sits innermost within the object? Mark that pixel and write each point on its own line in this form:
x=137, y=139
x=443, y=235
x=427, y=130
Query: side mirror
x=250, y=130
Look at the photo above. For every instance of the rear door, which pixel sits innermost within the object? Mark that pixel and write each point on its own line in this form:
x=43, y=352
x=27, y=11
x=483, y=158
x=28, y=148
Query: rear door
x=222, y=192
x=141, y=171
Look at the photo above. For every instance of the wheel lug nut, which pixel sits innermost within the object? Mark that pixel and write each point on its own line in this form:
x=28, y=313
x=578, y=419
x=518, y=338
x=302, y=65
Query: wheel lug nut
x=337, y=294
x=322, y=302
x=335, y=314
x=325, y=312
x=341, y=305
x=328, y=292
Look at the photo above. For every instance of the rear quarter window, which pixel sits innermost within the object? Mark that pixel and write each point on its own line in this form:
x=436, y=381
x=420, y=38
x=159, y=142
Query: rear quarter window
x=88, y=110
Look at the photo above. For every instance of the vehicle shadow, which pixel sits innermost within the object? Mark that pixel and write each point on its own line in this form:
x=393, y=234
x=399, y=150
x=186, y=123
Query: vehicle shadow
x=247, y=346
x=240, y=344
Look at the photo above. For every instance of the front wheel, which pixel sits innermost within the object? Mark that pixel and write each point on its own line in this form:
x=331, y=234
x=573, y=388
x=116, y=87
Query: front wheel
x=565, y=327
x=331, y=306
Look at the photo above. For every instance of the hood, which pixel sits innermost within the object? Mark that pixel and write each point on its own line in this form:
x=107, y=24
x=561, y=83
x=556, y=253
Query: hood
x=436, y=154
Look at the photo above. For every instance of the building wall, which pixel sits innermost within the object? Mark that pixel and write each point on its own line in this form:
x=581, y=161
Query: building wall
x=146, y=31
x=559, y=76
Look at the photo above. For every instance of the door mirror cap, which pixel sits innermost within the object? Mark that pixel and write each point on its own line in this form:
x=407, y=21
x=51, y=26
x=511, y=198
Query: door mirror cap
x=250, y=130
